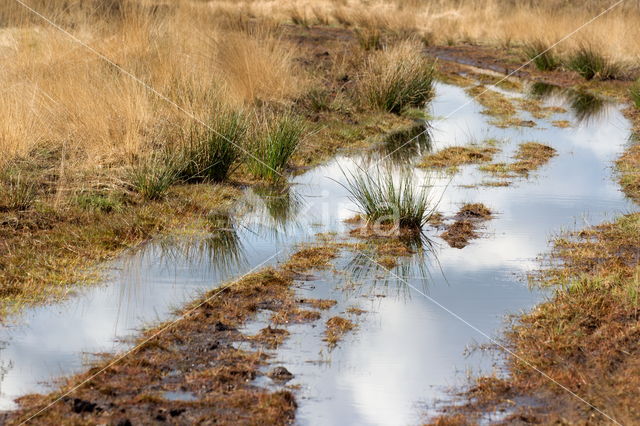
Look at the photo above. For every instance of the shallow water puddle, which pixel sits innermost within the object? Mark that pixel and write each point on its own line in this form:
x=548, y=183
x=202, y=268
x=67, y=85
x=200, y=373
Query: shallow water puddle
x=406, y=350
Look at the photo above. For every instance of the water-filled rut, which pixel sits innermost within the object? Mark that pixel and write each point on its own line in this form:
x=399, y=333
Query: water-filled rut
x=408, y=348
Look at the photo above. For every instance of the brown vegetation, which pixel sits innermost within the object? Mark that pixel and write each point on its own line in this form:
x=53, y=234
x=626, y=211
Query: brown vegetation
x=584, y=338
x=449, y=22
x=193, y=355
x=529, y=157
x=95, y=170
x=317, y=257
x=464, y=228
x=458, y=155
x=336, y=328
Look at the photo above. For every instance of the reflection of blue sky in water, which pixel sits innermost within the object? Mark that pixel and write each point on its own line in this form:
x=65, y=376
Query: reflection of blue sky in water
x=407, y=352
x=408, y=349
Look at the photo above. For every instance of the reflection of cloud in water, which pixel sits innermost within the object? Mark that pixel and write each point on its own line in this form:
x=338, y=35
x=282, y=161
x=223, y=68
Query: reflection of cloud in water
x=408, y=349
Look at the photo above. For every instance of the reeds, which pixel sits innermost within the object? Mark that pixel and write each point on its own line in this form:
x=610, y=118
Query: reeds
x=387, y=200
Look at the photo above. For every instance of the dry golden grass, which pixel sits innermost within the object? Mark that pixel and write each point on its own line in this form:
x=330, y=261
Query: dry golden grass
x=616, y=34
x=59, y=95
x=459, y=155
x=336, y=328
x=529, y=157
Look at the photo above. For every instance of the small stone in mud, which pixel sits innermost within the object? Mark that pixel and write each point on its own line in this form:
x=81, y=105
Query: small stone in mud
x=280, y=374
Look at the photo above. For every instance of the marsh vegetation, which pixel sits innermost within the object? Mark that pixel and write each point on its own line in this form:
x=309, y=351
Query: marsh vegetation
x=147, y=118
x=387, y=200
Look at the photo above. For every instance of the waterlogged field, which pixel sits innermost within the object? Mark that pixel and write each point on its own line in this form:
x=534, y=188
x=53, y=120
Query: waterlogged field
x=396, y=332
x=319, y=212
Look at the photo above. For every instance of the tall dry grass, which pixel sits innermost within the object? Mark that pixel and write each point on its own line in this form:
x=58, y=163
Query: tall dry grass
x=616, y=35
x=58, y=96
x=201, y=54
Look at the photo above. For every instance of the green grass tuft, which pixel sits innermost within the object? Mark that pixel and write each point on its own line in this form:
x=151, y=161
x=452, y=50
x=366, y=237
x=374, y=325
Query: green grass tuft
x=153, y=176
x=211, y=151
x=542, y=58
x=383, y=199
x=275, y=145
x=17, y=193
x=592, y=65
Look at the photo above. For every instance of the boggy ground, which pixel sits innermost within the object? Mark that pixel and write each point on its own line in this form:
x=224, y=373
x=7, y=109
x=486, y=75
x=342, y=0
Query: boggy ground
x=204, y=355
x=51, y=236
x=586, y=336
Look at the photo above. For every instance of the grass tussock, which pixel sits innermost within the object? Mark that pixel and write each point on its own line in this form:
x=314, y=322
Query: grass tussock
x=458, y=155
x=542, y=57
x=591, y=64
x=396, y=78
x=384, y=199
x=274, y=146
x=17, y=193
x=628, y=166
x=152, y=176
x=212, y=150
